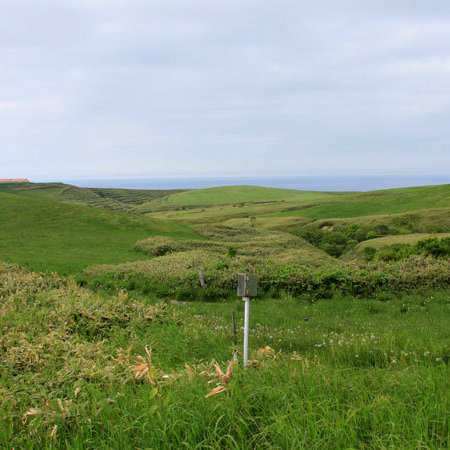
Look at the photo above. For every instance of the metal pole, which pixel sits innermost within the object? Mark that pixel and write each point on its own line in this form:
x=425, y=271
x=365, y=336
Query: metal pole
x=246, y=327
x=235, y=336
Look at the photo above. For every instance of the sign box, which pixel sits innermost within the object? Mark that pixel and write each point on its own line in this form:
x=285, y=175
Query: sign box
x=247, y=285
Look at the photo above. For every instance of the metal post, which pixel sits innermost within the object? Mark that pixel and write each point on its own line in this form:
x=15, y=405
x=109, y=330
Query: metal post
x=233, y=318
x=246, y=328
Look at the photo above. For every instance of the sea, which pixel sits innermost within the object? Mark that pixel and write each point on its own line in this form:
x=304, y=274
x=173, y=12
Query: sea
x=307, y=183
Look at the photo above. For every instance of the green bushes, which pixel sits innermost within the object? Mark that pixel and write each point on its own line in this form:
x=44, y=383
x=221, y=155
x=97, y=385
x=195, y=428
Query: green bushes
x=337, y=240
x=232, y=251
x=434, y=247
x=177, y=276
x=428, y=247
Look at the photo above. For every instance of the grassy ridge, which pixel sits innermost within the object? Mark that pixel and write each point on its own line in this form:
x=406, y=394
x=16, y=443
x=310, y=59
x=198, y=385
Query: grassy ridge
x=114, y=199
x=390, y=201
x=242, y=194
x=48, y=235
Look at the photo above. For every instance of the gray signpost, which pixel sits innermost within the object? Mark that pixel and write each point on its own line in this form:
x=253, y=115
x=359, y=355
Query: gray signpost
x=247, y=287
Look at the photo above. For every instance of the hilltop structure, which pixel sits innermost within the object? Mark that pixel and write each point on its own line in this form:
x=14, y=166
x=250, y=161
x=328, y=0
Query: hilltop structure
x=14, y=180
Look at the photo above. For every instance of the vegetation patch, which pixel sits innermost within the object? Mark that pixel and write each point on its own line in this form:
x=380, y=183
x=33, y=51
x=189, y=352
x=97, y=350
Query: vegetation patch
x=54, y=236
x=84, y=370
x=241, y=194
x=176, y=275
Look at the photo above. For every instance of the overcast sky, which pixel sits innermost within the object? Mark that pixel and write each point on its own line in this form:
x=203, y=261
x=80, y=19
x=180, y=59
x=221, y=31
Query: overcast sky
x=124, y=88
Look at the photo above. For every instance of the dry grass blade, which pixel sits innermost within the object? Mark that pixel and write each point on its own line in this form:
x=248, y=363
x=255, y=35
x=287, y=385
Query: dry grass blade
x=224, y=377
x=144, y=368
x=31, y=412
x=215, y=391
x=53, y=431
x=230, y=369
x=141, y=369
x=227, y=376
x=277, y=355
x=219, y=370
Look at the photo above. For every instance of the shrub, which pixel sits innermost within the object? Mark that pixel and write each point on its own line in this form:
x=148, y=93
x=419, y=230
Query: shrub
x=428, y=247
x=394, y=252
x=369, y=253
x=371, y=235
x=434, y=247
x=173, y=276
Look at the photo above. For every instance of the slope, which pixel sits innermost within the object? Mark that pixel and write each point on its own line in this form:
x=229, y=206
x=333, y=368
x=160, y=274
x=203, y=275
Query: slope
x=49, y=235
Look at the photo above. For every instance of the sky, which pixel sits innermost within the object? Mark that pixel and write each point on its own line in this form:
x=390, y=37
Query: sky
x=154, y=88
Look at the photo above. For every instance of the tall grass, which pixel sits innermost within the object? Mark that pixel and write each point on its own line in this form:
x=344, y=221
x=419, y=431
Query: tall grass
x=340, y=373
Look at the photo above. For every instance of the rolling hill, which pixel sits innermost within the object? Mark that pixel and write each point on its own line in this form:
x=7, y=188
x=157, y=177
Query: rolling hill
x=226, y=195
x=49, y=235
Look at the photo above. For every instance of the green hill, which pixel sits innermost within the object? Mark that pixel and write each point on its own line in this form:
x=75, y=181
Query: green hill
x=49, y=235
x=377, y=202
x=107, y=198
x=243, y=194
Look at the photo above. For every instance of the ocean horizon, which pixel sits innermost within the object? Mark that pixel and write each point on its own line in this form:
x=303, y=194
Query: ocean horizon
x=308, y=183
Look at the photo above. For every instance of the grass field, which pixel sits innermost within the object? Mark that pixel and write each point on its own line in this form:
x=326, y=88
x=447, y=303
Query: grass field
x=122, y=363
x=339, y=373
x=48, y=235
x=242, y=194
x=379, y=202
x=113, y=199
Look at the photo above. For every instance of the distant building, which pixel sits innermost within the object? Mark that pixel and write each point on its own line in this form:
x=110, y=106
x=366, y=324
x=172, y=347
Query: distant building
x=14, y=180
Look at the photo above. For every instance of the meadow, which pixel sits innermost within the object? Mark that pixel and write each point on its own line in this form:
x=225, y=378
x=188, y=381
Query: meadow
x=83, y=370
x=54, y=236
x=108, y=341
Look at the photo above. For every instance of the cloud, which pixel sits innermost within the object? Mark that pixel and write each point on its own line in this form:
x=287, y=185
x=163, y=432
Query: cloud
x=56, y=106
x=197, y=87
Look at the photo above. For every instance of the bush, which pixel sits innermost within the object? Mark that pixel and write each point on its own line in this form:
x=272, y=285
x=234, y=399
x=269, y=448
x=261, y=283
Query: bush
x=394, y=252
x=371, y=235
x=231, y=251
x=434, y=247
x=428, y=247
x=172, y=276
x=369, y=253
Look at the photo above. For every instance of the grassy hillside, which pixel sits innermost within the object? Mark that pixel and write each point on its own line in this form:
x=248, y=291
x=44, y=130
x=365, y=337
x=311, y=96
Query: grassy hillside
x=49, y=235
x=377, y=202
x=242, y=194
x=114, y=199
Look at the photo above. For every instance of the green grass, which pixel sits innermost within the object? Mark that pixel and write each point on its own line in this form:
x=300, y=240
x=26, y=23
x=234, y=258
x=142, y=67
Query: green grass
x=114, y=199
x=352, y=373
x=391, y=201
x=48, y=235
x=242, y=194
